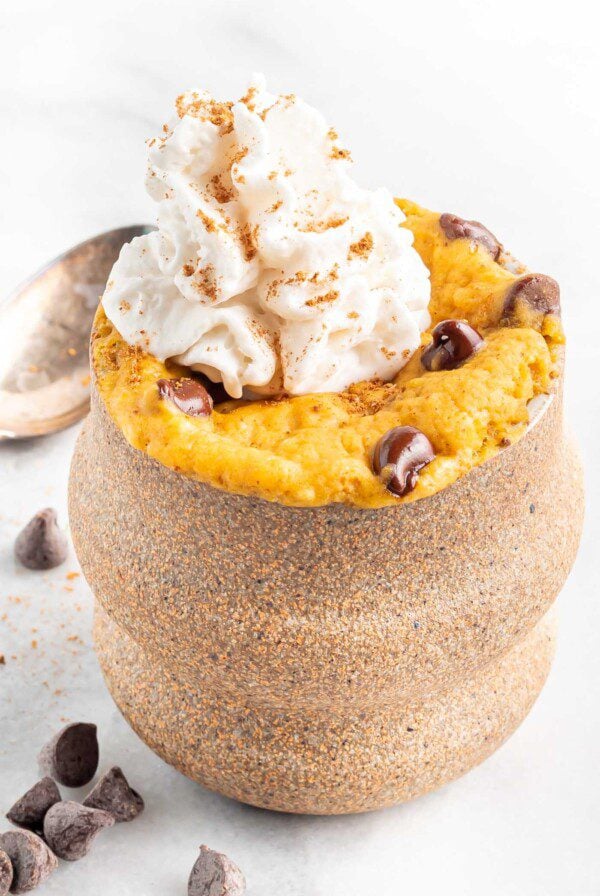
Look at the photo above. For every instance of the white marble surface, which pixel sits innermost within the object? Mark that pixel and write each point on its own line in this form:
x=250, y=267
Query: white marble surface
x=484, y=111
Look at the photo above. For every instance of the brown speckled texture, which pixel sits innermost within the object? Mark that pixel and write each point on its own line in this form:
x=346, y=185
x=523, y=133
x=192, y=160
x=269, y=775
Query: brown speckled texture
x=277, y=655
x=325, y=762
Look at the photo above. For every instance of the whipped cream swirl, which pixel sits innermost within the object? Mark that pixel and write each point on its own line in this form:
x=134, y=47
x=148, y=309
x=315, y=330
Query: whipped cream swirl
x=271, y=271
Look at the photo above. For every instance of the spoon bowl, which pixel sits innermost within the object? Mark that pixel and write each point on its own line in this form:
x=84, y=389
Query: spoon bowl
x=44, y=336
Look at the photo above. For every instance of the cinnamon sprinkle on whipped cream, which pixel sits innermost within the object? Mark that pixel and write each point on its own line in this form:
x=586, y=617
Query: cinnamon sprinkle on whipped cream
x=271, y=269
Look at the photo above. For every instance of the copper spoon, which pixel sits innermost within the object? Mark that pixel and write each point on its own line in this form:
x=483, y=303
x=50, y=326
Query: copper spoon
x=44, y=333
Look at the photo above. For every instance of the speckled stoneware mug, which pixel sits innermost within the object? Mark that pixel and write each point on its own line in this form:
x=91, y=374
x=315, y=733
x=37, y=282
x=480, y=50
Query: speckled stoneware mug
x=332, y=659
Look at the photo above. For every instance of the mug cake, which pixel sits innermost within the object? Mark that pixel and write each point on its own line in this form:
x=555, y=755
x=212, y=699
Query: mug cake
x=320, y=496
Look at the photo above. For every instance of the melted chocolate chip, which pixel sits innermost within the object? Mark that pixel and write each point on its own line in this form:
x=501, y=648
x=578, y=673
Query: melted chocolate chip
x=29, y=811
x=402, y=453
x=214, y=874
x=113, y=794
x=188, y=395
x=70, y=829
x=456, y=228
x=6, y=873
x=540, y=292
x=41, y=544
x=31, y=860
x=453, y=342
x=71, y=757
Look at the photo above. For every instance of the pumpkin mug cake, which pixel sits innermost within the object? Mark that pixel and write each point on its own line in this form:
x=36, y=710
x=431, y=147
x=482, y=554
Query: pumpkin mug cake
x=323, y=497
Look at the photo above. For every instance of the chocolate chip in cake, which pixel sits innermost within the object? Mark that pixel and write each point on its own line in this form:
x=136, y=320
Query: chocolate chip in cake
x=188, y=395
x=29, y=811
x=214, y=874
x=70, y=829
x=31, y=860
x=6, y=873
x=71, y=757
x=453, y=342
x=41, y=544
x=399, y=457
x=113, y=794
x=456, y=228
x=536, y=292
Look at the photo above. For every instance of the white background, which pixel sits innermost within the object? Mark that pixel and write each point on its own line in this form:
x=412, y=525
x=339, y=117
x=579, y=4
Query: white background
x=489, y=110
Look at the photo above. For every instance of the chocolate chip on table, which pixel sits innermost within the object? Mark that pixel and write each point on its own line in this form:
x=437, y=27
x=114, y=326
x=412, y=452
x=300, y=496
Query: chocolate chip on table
x=71, y=757
x=6, y=873
x=214, y=874
x=113, y=794
x=29, y=811
x=456, y=228
x=41, y=544
x=454, y=341
x=32, y=861
x=537, y=292
x=188, y=395
x=70, y=829
x=400, y=455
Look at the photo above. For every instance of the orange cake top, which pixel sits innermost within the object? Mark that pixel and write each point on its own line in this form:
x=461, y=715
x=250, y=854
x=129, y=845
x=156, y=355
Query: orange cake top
x=493, y=345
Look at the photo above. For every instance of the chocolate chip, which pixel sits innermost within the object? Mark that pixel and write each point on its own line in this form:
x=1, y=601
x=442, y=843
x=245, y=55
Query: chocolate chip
x=71, y=757
x=456, y=228
x=188, y=395
x=113, y=794
x=41, y=544
x=29, y=811
x=6, y=873
x=214, y=874
x=453, y=342
x=70, y=829
x=32, y=862
x=537, y=292
x=400, y=455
